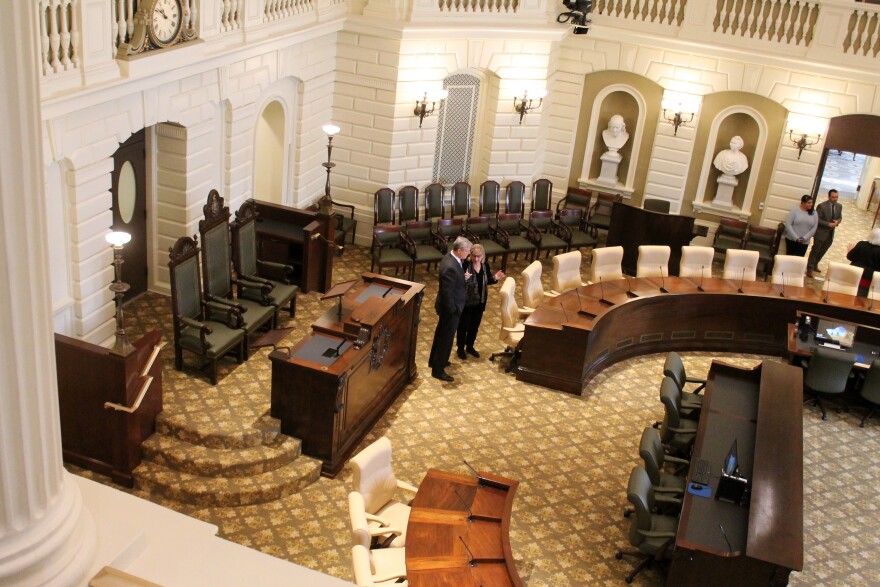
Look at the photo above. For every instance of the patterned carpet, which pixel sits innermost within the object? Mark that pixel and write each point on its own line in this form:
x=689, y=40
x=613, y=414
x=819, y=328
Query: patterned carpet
x=572, y=455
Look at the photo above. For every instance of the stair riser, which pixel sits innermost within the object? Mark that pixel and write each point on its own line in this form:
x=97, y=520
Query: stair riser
x=217, y=469
x=238, y=440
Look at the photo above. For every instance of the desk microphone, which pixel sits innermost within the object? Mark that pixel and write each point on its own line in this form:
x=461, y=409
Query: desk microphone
x=702, y=270
x=581, y=305
x=602, y=293
x=782, y=292
x=484, y=481
x=662, y=281
x=387, y=291
x=629, y=289
x=742, y=279
x=825, y=299
x=871, y=295
x=339, y=347
x=723, y=533
x=470, y=517
x=472, y=562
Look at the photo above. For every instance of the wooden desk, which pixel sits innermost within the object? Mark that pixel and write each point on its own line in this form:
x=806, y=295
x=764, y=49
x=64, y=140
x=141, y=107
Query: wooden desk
x=866, y=345
x=761, y=409
x=631, y=227
x=438, y=531
x=572, y=337
x=331, y=401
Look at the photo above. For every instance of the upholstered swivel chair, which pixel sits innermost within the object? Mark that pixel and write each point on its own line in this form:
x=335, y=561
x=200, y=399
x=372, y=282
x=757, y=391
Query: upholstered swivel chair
x=653, y=535
x=690, y=409
x=843, y=278
x=827, y=376
x=790, y=269
x=369, y=530
x=653, y=261
x=383, y=206
x=676, y=433
x=533, y=289
x=512, y=329
x=870, y=391
x=651, y=451
x=248, y=266
x=407, y=204
x=207, y=329
x=741, y=265
x=696, y=261
x=378, y=567
x=566, y=272
x=607, y=264
x=674, y=367
x=373, y=478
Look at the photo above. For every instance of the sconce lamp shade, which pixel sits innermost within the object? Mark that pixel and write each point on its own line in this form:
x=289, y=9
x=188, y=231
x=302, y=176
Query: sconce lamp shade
x=330, y=129
x=118, y=239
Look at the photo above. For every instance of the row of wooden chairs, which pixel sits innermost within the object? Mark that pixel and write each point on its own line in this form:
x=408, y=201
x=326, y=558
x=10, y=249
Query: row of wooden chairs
x=736, y=234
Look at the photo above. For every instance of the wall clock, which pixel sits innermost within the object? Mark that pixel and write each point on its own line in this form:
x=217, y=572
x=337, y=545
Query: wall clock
x=166, y=17
x=158, y=24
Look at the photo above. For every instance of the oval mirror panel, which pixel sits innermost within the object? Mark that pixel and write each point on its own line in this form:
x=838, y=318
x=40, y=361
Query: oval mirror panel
x=126, y=192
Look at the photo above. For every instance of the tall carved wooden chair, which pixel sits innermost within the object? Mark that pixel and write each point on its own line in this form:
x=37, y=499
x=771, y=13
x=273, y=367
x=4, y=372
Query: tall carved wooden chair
x=460, y=200
x=383, y=206
x=542, y=194
x=435, y=207
x=207, y=329
x=248, y=266
x=407, y=204
x=217, y=271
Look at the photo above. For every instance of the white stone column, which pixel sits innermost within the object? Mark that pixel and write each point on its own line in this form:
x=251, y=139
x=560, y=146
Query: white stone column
x=46, y=536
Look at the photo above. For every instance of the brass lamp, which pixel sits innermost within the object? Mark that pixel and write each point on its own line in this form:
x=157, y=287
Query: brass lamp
x=118, y=240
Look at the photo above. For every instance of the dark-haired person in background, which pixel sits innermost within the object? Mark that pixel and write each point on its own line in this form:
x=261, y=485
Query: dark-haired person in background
x=866, y=254
x=800, y=226
x=830, y=214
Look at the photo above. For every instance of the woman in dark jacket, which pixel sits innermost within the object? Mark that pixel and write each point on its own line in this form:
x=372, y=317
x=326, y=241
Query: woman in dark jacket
x=866, y=254
x=475, y=300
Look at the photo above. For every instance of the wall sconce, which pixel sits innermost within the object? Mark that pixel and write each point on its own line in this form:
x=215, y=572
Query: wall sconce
x=325, y=204
x=118, y=240
x=421, y=110
x=677, y=112
x=524, y=105
x=804, y=142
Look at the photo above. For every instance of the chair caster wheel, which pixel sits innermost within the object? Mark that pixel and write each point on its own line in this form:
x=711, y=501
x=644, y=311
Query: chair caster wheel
x=492, y=359
x=618, y=555
x=627, y=514
x=628, y=579
x=824, y=416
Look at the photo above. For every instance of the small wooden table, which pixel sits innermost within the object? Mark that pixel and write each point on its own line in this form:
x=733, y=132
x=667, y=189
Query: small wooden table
x=452, y=514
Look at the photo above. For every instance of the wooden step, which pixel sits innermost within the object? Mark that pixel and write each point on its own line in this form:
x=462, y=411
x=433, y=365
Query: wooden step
x=208, y=432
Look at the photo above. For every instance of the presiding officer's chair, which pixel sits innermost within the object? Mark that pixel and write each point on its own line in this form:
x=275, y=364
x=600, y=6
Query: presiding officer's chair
x=248, y=266
x=653, y=261
x=373, y=478
x=827, y=375
x=741, y=265
x=533, y=289
x=696, y=261
x=653, y=535
x=843, y=278
x=512, y=329
x=378, y=567
x=208, y=329
x=566, y=273
x=607, y=264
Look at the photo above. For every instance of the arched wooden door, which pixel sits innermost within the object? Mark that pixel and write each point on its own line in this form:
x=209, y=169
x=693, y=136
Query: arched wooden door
x=129, y=190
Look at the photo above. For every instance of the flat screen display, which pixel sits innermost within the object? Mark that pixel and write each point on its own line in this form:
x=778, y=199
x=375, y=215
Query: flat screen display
x=843, y=333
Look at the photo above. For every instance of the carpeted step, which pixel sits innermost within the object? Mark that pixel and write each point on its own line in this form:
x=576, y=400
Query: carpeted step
x=179, y=455
x=227, y=491
x=228, y=433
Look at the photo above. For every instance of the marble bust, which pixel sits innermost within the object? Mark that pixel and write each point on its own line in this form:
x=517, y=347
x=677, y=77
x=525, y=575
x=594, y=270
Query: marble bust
x=615, y=136
x=731, y=161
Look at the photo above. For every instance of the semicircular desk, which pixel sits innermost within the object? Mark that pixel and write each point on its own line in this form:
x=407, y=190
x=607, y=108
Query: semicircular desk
x=572, y=337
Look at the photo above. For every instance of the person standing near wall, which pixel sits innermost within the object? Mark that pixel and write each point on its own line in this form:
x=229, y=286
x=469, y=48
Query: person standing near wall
x=800, y=226
x=830, y=214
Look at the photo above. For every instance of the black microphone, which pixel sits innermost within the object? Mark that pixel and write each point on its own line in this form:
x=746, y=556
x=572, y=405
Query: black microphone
x=702, y=270
x=871, y=295
x=470, y=517
x=723, y=533
x=387, y=291
x=602, y=291
x=486, y=482
x=472, y=562
x=629, y=289
x=742, y=280
x=825, y=299
x=339, y=347
x=782, y=293
x=662, y=281
x=581, y=305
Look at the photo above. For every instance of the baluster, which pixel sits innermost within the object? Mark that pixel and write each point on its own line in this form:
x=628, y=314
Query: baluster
x=120, y=27
x=114, y=26
x=74, y=36
x=858, y=42
x=741, y=18
x=54, y=37
x=873, y=32
x=225, y=15
x=270, y=7
x=750, y=19
x=776, y=23
x=64, y=48
x=194, y=16
x=130, y=9
x=44, y=38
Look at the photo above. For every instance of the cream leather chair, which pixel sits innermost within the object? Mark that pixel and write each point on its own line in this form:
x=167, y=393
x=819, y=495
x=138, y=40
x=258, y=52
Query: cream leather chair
x=874, y=289
x=533, y=290
x=791, y=267
x=566, y=272
x=374, y=479
x=653, y=261
x=378, y=567
x=512, y=329
x=367, y=528
x=696, y=261
x=741, y=265
x=843, y=278
x=606, y=264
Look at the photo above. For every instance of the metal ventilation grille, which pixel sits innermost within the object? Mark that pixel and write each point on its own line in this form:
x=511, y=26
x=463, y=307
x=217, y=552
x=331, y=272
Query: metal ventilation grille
x=455, y=135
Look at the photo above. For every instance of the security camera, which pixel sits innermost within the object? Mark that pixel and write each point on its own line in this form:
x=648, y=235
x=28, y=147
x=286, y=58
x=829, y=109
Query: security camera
x=577, y=15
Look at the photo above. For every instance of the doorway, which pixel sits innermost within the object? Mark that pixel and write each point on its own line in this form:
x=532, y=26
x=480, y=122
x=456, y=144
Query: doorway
x=842, y=172
x=129, y=191
x=269, y=155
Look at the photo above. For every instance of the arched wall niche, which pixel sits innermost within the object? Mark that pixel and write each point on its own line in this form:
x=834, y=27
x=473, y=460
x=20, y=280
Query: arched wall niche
x=760, y=122
x=275, y=139
x=637, y=99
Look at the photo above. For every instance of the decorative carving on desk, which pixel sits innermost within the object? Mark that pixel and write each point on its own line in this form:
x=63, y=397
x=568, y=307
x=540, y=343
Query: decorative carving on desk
x=362, y=338
x=418, y=309
x=339, y=405
x=380, y=347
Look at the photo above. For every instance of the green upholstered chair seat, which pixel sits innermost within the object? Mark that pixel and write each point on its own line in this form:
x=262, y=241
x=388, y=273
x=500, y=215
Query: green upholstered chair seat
x=601, y=221
x=551, y=241
x=388, y=256
x=255, y=314
x=419, y=234
x=221, y=340
x=281, y=293
x=427, y=254
x=492, y=248
x=579, y=238
x=518, y=244
x=344, y=226
x=511, y=226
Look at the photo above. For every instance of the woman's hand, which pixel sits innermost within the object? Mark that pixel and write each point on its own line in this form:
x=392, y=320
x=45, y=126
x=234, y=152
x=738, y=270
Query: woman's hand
x=499, y=275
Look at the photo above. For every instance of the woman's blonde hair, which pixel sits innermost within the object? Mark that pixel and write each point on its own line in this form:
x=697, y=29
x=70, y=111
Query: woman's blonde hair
x=478, y=250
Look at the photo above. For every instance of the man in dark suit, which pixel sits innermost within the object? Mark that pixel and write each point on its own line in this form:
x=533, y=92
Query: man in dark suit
x=830, y=214
x=449, y=306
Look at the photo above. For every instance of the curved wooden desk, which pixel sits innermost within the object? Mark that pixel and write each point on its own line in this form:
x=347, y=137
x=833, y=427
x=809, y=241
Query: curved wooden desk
x=438, y=533
x=572, y=337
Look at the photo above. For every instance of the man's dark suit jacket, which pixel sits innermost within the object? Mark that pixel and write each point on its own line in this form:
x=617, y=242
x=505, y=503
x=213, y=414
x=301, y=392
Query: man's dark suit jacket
x=823, y=210
x=450, y=298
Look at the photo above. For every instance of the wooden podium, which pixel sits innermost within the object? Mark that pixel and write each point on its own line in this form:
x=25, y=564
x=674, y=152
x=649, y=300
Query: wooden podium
x=336, y=382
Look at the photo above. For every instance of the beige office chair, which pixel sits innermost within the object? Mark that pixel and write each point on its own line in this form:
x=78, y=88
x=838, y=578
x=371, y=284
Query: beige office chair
x=373, y=477
x=368, y=529
x=874, y=289
x=791, y=268
x=843, y=278
x=741, y=265
x=382, y=567
x=696, y=261
x=512, y=329
x=566, y=272
x=606, y=264
x=533, y=290
x=653, y=261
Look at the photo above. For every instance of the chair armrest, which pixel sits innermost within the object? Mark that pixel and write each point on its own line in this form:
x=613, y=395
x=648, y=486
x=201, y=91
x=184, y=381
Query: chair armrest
x=676, y=460
x=563, y=230
x=347, y=206
x=264, y=287
x=550, y=293
x=406, y=486
x=683, y=431
x=231, y=313
x=651, y=534
x=380, y=578
x=533, y=234
x=277, y=271
x=690, y=406
x=672, y=490
x=525, y=310
x=517, y=328
x=204, y=330
x=385, y=531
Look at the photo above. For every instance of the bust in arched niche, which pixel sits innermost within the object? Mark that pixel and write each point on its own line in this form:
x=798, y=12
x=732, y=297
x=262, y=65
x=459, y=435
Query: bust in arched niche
x=615, y=136
x=731, y=161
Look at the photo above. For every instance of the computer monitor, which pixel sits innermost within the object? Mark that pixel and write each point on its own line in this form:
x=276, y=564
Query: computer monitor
x=843, y=333
x=731, y=464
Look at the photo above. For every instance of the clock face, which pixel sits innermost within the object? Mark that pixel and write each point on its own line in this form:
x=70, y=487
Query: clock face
x=165, y=21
